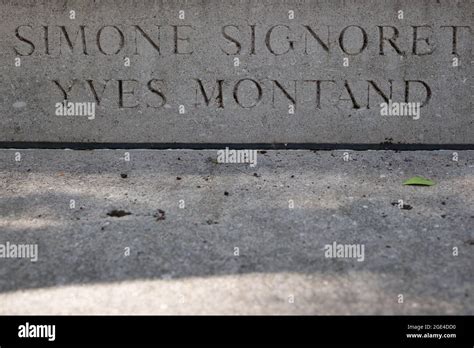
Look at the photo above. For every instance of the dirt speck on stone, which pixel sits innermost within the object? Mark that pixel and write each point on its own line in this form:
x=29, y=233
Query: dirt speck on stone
x=404, y=206
x=159, y=215
x=118, y=213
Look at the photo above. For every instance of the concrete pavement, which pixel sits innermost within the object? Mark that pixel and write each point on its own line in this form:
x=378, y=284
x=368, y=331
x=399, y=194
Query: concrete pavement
x=159, y=234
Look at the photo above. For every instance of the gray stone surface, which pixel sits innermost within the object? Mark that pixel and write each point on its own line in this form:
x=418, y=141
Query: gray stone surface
x=131, y=109
x=185, y=263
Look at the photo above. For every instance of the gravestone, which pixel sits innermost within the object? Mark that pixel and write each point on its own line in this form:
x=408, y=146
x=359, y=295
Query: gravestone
x=236, y=72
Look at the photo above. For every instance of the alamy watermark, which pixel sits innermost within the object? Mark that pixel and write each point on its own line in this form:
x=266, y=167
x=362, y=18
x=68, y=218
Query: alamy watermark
x=237, y=156
x=346, y=251
x=19, y=251
x=76, y=109
x=400, y=109
x=28, y=330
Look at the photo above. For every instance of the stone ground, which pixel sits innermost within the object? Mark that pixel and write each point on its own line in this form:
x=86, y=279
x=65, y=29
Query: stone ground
x=182, y=259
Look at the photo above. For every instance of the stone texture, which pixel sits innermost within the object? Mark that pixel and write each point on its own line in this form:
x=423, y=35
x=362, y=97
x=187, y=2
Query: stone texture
x=28, y=93
x=182, y=260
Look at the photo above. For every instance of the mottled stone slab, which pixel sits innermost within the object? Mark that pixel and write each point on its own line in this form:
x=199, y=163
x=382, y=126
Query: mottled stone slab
x=236, y=71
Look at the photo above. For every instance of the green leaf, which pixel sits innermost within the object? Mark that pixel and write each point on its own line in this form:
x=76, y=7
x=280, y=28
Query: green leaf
x=419, y=181
x=212, y=160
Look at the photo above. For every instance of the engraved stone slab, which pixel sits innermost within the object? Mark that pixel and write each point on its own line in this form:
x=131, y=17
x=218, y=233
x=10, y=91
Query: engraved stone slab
x=248, y=71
